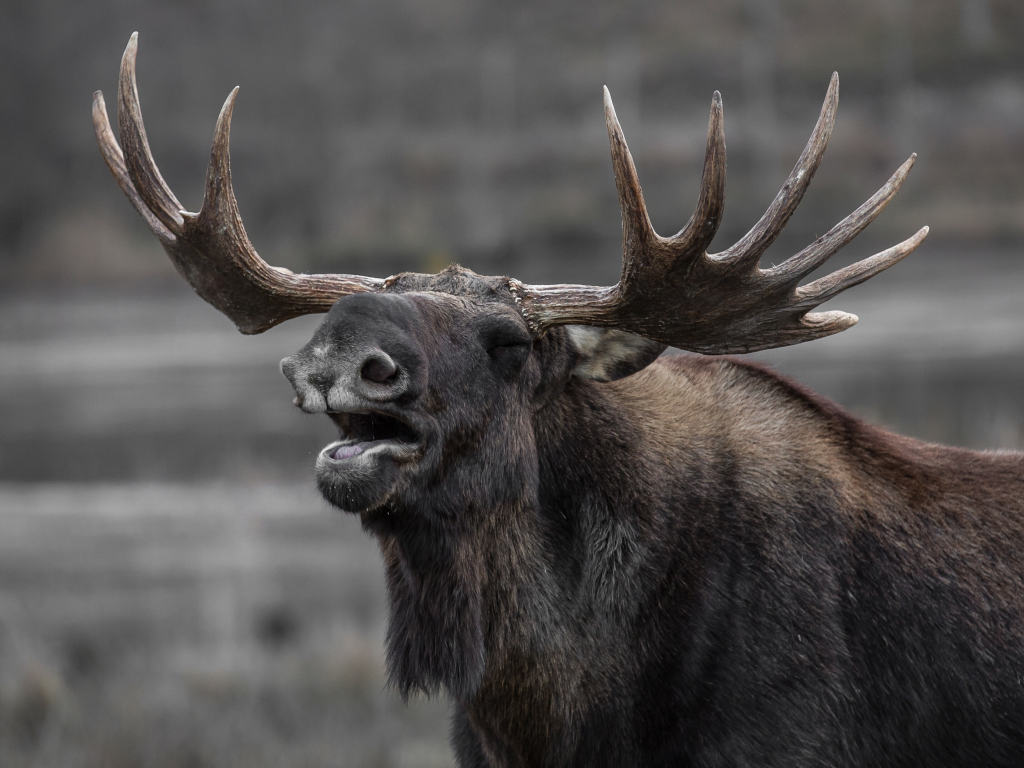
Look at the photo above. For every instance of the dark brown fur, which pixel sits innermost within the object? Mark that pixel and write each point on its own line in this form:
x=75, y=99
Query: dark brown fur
x=701, y=563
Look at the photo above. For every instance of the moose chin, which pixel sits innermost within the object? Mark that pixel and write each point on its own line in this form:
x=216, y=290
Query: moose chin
x=606, y=557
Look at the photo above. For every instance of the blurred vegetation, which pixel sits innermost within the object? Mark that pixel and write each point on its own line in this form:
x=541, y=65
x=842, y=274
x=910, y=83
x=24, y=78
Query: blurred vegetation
x=163, y=626
x=403, y=134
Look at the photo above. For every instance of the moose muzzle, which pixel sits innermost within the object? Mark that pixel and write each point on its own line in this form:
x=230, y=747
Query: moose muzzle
x=363, y=371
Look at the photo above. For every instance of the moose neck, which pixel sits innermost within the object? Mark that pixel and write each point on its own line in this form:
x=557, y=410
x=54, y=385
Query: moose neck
x=456, y=559
x=491, y=580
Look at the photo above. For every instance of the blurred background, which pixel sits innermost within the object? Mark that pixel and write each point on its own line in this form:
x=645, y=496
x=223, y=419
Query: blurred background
x=172, y=591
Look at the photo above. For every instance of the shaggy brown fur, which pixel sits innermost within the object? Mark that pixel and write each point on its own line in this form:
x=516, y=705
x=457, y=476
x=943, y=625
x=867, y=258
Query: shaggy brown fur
x=699, y=563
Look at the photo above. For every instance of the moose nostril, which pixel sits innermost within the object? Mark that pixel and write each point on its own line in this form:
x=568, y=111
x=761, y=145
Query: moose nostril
x=379, y=370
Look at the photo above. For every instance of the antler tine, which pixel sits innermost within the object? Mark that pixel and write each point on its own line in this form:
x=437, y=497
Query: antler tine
x=218, y=218
x=821, y=290
x=700, y=230
x=637, y=232
x=210, y=249
x=142, y=169
x=749, y=249
x=826, y=246
x=115, y=162
x=219, y=195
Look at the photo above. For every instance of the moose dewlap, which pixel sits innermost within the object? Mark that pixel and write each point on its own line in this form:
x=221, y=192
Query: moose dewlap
x=608, y=558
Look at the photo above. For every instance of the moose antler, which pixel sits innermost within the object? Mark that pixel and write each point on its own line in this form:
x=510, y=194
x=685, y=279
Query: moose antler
x=210, y=248
x=673, y=291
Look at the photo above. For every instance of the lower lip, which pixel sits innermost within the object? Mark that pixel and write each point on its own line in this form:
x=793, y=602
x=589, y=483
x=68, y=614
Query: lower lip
x=346, y=452
x=339, y=454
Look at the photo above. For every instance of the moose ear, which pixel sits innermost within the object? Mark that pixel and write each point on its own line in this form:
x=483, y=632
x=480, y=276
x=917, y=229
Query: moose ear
x=608, y=354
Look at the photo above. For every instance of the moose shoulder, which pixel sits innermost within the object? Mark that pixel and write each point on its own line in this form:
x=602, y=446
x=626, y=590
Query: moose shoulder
x=607, y=557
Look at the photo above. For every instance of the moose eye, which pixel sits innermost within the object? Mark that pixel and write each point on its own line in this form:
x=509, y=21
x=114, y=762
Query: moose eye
x=503, y=335
x=508, y=344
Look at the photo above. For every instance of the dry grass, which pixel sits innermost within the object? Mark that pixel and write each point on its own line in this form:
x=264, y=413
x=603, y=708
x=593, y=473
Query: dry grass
x=172, y=627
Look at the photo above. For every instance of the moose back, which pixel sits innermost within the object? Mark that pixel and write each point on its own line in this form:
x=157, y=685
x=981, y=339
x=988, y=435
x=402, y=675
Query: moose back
x=606, y=557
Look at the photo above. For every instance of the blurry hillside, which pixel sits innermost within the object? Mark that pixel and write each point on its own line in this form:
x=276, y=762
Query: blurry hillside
x=404, y=134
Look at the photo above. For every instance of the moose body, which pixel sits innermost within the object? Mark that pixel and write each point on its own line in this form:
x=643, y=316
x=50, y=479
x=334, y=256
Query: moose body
x=607, y=557
x=718, y=568
x=701, y=563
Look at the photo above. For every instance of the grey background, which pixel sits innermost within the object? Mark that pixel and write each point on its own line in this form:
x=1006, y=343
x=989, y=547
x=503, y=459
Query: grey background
x=172, y=592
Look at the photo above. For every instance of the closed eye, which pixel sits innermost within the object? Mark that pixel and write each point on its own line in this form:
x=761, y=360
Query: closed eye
x=501, y=334
x=499, y=350
x=507, y=342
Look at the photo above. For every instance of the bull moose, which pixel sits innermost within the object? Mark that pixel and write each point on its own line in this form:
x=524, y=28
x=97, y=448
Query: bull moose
x=606, y=557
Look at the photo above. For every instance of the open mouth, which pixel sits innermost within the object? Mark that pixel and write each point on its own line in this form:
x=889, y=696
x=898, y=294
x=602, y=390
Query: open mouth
x=363, y=432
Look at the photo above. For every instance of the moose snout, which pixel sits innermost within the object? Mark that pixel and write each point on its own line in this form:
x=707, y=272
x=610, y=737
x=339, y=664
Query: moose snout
x=332, y=380
x=365, y=353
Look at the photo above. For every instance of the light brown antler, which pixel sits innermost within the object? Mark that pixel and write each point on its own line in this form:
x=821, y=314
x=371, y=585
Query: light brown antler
x=210, y=248
x=673, y=291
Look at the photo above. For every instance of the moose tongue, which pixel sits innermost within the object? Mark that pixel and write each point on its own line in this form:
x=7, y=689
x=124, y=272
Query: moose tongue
x=347, y=451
